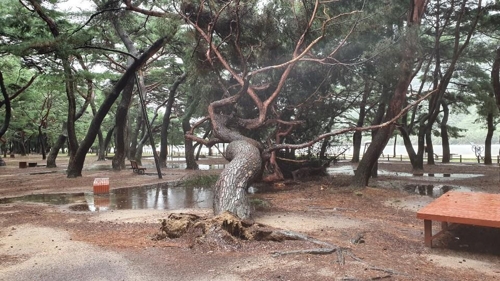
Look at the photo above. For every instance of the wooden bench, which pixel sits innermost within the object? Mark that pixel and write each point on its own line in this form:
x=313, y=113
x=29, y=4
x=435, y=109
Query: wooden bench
x=480, y=209
x=136, y=168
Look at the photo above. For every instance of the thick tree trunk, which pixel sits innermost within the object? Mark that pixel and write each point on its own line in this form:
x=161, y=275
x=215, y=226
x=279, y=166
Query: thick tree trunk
x=369, y=163
x=230, y=188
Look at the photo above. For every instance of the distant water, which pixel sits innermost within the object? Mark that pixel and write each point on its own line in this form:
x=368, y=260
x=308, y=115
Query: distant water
x=459, y=149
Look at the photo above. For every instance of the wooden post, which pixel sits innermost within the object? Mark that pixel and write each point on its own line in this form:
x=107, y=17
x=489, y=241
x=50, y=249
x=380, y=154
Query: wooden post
x=444, y=225
x=428, y=233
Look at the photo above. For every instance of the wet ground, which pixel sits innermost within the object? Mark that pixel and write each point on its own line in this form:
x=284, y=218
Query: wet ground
x=53, y=242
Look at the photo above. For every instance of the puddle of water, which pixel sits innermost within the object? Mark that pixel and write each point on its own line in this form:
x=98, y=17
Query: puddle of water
x=200, y=166
x=433, y=190
x=158, y=196
x=53, y=199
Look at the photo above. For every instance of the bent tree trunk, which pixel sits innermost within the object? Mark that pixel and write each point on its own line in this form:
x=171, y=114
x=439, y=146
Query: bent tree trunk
x=75, y=165
x=54, y=150
x=230, y=188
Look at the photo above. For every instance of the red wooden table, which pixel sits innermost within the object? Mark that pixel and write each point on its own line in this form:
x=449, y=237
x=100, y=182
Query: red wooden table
x=481, y=209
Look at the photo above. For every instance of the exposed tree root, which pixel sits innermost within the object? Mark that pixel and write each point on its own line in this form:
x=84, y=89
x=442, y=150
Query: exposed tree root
x=226, y=231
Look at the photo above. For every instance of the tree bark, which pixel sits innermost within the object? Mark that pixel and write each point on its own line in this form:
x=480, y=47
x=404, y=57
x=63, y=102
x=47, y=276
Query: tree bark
x=230, y=188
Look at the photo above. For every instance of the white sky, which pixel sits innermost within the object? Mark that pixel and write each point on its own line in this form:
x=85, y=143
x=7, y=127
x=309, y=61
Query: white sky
x=75, y=5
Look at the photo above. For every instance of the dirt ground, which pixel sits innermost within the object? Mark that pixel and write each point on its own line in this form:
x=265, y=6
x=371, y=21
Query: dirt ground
x=376, y=229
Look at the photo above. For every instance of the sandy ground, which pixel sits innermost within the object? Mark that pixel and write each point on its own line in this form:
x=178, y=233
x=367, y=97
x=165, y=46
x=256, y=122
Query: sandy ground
x=43, y=242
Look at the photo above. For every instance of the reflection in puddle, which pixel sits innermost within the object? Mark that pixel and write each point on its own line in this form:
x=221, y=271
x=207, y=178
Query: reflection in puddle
x=433, y=190
x=158, y=196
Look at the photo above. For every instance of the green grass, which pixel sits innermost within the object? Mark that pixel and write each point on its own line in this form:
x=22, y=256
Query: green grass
x=259, y=204
x=200, y=181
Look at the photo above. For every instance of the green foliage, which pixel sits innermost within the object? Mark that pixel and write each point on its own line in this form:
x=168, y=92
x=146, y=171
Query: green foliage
x=323, y=94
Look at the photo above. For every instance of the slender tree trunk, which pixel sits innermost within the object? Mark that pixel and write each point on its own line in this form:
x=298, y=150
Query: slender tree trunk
x=324, y=146
x=54, y=150
x=394, y=147
x=121, y=135
x=105, y=144
x=430, y=148
x=42, y=143
x=358, y=136
x=189, y=147
x=495, y=76
x=409, y=146
x=166, y=120
x=489, y=137
x=140, y=145
x=101, y=155
x=134, y=138
x=445, y=138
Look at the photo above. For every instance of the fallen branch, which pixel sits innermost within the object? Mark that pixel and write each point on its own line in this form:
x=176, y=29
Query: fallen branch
x=371, y=267
x=317, y=251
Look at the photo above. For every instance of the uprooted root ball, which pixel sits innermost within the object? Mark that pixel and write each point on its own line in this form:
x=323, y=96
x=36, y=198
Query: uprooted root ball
x=223, y=231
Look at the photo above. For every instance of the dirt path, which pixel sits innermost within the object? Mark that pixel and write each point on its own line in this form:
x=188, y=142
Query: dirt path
x=40, y=242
